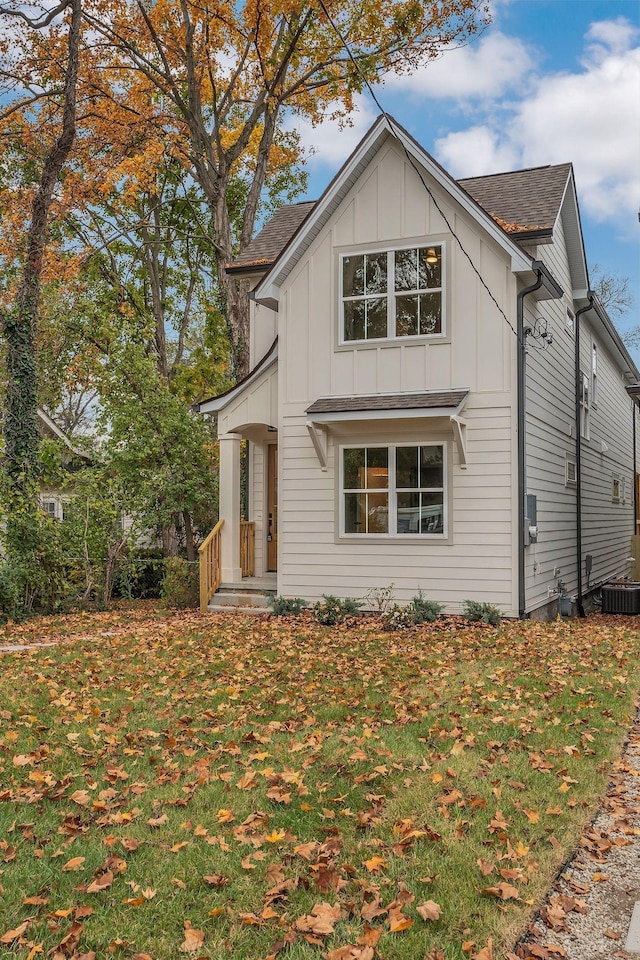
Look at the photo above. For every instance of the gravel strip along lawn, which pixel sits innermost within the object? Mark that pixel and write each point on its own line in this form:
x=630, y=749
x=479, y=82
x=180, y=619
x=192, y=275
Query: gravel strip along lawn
x=588, y=911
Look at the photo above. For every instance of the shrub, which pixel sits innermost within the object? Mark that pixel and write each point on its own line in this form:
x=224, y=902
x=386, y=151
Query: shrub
x=286, y=606
x=379, y=599
x=180, y=584
x=399, y=618
x=140, y=574
x=419, y=610
x=331, y=610
x=425, y=611
x=473, y=610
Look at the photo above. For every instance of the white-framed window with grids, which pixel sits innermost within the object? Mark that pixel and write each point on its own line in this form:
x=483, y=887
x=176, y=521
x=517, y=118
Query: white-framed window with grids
x=391, y=294
x=393, y=490
x=594, y=372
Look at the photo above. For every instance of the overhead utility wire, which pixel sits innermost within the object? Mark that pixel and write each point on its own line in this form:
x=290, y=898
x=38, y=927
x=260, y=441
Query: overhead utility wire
x=414, y=166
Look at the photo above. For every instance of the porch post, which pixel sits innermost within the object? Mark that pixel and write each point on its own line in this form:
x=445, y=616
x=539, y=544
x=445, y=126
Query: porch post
x=230, y=506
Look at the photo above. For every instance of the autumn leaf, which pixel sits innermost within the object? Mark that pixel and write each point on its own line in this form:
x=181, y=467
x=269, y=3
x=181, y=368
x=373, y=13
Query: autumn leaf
x=215, y=880
x=12, y=935
x=375, y=864
x=158, y=821
x=74, y=864
x=505, y=891
x=429, y=910
x=321, y=920
x=102, y=882
x=486, y=953
x=398, y=921
x=193, y=939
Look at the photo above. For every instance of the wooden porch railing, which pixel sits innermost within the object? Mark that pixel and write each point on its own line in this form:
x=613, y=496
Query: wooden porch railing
x=248, y=548
x=210, y=565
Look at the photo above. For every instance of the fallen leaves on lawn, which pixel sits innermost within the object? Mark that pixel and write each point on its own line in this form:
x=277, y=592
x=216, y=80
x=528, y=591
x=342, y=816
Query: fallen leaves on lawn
x=265, y=761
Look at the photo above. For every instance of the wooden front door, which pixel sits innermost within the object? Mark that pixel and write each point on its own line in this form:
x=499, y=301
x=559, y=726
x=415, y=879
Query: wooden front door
x=272, y=506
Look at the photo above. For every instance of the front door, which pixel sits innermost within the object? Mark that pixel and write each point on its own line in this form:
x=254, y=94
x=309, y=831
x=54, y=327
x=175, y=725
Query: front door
x=272, y=506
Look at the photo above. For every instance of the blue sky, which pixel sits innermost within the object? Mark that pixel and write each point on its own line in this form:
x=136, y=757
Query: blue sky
x=549, y=81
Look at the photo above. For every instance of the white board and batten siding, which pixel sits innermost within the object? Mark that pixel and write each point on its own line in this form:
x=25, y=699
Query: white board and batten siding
x=389, y=206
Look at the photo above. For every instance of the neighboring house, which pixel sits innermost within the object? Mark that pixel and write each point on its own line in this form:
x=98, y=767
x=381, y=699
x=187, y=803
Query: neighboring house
x=52, y=498
x=415, y=410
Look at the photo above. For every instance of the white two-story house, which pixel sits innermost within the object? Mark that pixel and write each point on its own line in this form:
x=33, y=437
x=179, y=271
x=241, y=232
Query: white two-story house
x=436, y=398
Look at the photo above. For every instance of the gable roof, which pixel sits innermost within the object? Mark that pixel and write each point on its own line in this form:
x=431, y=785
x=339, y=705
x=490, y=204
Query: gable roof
x=49, y=427
x=265, y=248
x=524, y=201
x=267, y=290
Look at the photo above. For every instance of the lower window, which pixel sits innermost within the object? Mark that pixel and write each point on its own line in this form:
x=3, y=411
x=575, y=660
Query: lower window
x=393, y=490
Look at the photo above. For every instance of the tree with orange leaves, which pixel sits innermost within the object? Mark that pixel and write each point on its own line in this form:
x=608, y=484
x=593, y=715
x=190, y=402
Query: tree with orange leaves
x=20, y=317
x=212, y=84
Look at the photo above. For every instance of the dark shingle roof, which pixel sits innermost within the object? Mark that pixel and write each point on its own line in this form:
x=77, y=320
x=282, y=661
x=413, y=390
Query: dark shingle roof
x=397, y=401
x=273, y=238
x=522, y=201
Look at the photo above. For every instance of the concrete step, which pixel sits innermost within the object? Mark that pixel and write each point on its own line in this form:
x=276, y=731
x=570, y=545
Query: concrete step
x=226, y=609
x=239, y=598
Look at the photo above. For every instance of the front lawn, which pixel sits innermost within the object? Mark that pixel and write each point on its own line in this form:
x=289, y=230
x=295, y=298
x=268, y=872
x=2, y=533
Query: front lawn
x=262, y=788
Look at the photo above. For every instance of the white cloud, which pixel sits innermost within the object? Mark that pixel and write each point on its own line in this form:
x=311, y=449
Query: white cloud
x=330, y=143
x=591, y=117
x=480, y=71
x=475, y=152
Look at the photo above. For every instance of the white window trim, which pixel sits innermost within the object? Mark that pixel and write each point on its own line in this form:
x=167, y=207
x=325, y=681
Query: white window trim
x=393, y=493
x=594, y=374
x=616, y=479
x=391, y=294
x=568, y=480
x=585, y=407
x=570, y=321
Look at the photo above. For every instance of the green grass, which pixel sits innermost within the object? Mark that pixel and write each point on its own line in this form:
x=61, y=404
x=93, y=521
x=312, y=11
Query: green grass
x=475, y=742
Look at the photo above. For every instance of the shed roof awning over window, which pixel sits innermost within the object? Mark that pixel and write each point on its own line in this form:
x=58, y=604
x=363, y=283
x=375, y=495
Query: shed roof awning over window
x=430, y=403
x=388, y=407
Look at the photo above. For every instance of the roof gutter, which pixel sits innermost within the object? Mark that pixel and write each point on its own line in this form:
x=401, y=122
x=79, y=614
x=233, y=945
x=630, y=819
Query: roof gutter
x=544, y=279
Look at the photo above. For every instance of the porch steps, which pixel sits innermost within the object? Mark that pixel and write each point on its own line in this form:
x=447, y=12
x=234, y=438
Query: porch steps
x=243, y=597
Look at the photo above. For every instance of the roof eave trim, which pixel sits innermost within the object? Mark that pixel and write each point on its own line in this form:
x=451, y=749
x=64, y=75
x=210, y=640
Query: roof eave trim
x=613, y=334
x=248, y=268
x=217, y=404
x=269, y=287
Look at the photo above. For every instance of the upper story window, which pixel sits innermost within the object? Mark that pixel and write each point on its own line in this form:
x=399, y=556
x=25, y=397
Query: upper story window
x=396, y=293
x=594, y=373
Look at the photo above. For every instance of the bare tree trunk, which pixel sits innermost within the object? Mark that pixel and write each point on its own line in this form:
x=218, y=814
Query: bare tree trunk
x=188, y=530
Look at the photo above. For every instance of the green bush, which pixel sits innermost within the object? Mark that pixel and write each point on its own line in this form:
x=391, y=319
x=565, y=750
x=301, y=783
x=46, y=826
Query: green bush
x=399, y=618
x=331, y=610
x=423, y=610
x=486, y=612
x=180, y=584
x=286, y=606
x=419, y=610
x=140, y=574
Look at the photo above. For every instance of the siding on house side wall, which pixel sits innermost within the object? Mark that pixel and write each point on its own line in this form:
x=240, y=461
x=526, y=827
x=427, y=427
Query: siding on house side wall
x=606, y=527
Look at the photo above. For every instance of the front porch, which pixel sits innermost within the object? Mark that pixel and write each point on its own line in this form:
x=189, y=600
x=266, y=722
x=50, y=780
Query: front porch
x=241, y=555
